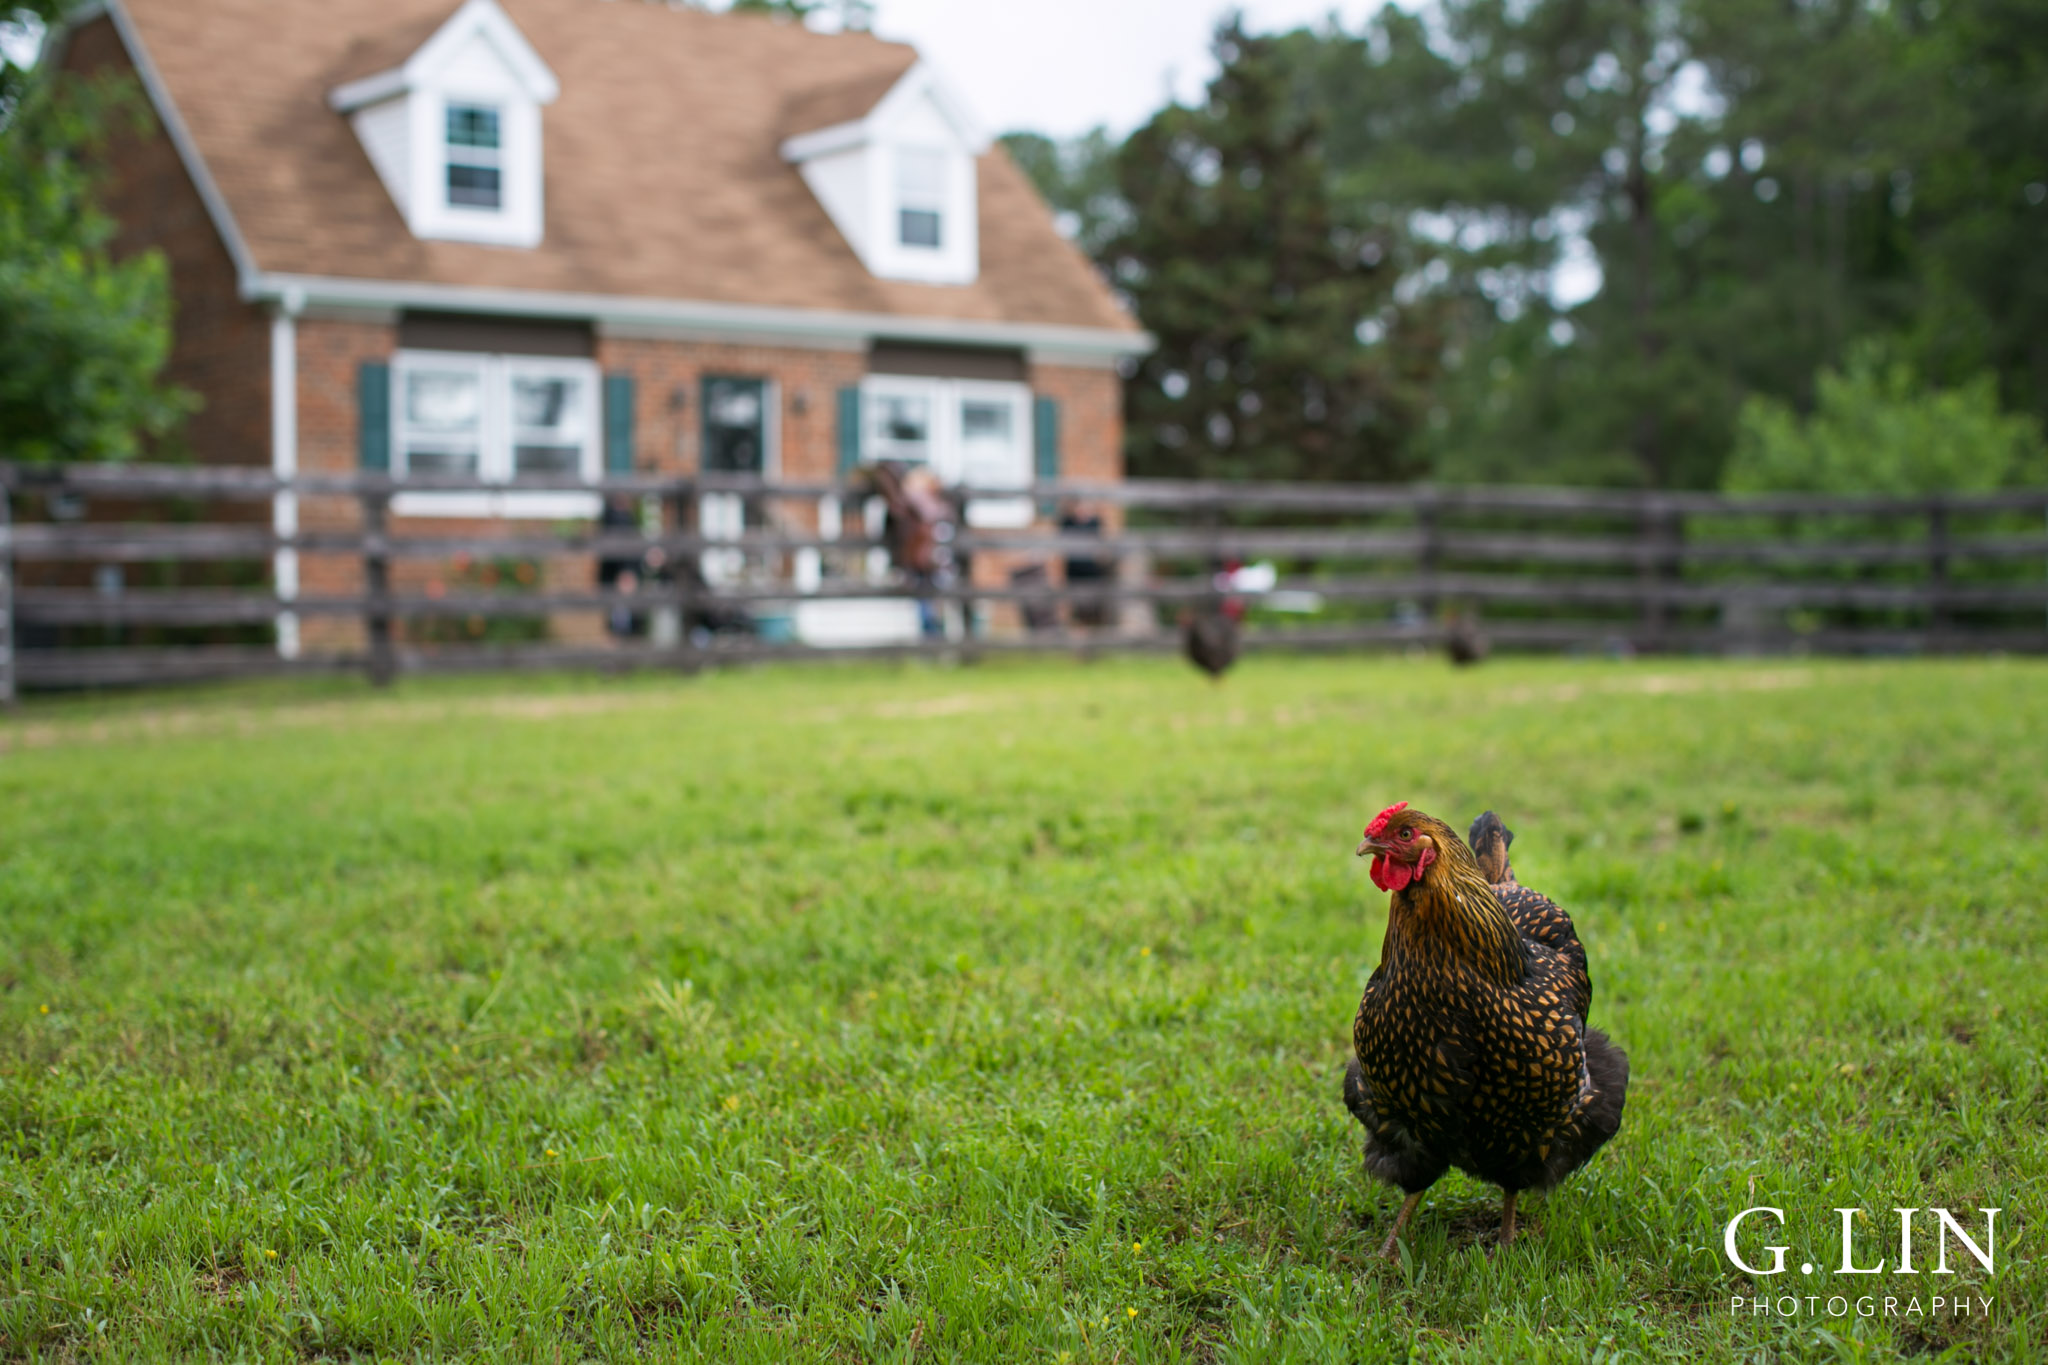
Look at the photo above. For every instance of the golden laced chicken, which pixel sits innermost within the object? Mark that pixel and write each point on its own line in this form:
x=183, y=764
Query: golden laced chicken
x=1471, y=1040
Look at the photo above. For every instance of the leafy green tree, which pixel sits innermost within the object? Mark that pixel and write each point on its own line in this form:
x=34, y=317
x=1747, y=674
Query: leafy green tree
x=1983, y=199
x=83, y=336
x=1875, y=428
x=1263, y=297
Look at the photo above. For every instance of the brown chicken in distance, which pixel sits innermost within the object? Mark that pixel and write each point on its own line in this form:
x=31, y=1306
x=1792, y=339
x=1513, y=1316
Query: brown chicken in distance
x=1471, y=1040
x=1209, y=637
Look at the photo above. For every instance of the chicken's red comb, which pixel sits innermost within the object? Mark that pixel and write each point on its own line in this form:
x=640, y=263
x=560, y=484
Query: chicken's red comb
x=1379, y=822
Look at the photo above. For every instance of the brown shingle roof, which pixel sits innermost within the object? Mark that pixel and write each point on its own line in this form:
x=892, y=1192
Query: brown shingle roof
x=664, y=178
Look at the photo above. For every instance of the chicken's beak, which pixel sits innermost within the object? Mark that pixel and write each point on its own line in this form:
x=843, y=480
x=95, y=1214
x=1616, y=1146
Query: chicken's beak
x=1370, y=845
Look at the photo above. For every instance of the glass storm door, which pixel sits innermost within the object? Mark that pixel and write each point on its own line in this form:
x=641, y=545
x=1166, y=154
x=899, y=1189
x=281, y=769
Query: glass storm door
x=735, y=426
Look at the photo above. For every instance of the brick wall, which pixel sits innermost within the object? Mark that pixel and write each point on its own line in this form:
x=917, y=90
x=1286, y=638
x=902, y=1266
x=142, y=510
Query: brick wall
x=221, y=351
x=668, y=391
x=330, y=350
x=1091, y=419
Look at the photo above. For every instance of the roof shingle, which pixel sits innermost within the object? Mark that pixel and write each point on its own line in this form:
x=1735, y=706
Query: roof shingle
x=664, y=178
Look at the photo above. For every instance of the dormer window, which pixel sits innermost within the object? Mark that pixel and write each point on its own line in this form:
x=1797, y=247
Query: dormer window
x=455, y=133
x=920, y=197
x=475, y=173
x=900, y=182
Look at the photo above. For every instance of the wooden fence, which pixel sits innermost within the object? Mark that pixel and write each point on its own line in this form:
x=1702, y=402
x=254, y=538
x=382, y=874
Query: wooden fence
x=1352, y=566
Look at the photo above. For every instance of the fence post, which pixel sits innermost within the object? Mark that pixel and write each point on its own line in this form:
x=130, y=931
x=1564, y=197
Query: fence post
x=7, y=687
x=1937, y=572
x=377, y=585
x=1658, y=566
x=686, y=566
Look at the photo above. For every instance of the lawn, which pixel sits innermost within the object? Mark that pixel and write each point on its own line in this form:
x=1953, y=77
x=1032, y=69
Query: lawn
x=993, y=1013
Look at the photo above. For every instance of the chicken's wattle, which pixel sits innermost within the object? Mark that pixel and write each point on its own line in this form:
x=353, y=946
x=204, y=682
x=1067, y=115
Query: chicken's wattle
x=1389, y=875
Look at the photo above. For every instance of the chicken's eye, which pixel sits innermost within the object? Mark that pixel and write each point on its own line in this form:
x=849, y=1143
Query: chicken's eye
x=1407, y=834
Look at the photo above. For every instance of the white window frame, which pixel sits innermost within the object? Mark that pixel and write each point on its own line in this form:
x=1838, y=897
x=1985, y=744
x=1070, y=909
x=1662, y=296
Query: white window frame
x=494, y=454
x=481, y=158
x=940, y=160
x=478, y=57
x=947, y=455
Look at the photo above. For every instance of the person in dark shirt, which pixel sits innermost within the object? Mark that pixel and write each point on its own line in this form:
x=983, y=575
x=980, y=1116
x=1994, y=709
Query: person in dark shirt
x=1085, y=571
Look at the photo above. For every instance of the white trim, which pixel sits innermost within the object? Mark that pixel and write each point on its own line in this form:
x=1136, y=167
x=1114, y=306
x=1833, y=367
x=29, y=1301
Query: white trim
x=945, y=446
x=825, y=141
x=485, y=17
x=475, y=16
x=478, y=57
x=188, y=150
x=854, y=170
x=284, y=463
x=346, y=99
x=815, y=327
x=495, y=375
x=921, y=79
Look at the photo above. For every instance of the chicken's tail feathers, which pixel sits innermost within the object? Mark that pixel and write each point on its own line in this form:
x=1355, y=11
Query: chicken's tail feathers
x=1490, y=839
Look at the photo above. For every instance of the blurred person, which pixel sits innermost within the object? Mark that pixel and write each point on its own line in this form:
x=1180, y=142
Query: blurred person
x=920, y=531
x=1085, y=571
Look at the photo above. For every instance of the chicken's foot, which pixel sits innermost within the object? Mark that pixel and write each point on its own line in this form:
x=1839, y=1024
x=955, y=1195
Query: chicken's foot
x=1400, y=1221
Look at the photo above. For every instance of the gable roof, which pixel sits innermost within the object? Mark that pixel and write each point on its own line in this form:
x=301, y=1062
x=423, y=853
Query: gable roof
x=664, y=177
x=476, y=17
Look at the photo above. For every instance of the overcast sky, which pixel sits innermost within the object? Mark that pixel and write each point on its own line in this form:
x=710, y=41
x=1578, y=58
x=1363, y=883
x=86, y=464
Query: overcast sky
x=1063, y=66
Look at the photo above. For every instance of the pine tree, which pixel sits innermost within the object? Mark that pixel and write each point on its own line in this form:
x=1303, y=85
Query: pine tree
x=1275, y=318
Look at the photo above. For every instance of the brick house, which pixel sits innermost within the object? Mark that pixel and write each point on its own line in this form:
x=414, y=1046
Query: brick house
x=577, y=237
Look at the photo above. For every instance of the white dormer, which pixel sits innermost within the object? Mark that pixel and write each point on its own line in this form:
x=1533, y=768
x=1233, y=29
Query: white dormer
x=899, y=184
x=455, y=132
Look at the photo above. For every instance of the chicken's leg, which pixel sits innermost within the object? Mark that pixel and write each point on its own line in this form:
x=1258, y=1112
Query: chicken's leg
x=1400, y=1221
x=1507, y=1218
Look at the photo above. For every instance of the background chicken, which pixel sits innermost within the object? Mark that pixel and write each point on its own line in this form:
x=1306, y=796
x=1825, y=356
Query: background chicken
x=1209, y=638
x=1471, y=1040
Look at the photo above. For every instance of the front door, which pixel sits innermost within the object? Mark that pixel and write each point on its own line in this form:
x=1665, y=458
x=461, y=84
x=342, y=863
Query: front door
x=735, y=442
x=735, y=425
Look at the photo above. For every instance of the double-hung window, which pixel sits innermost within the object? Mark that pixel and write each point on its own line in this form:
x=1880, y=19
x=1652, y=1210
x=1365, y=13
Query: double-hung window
x=495, y=418
x=920, y=198
x=970, y=431
x=476, y=172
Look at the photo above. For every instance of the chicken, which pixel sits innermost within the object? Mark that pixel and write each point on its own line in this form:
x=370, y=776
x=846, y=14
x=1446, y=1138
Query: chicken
x=1471, y=1040
x=1209, y=638
x=1464, y=641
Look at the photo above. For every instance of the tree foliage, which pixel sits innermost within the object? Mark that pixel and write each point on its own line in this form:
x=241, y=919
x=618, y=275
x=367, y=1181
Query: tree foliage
x=1265, y=298
x=1750, y=188
x=1875, y=427
x=83, y=336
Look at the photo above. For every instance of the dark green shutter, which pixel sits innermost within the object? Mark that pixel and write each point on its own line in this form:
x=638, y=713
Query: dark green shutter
x=1045, y=441
x=618, y=424
x=373, y=415
x=849, y=431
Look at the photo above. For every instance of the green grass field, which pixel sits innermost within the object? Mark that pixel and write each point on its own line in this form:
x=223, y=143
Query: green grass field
x=992, y=1013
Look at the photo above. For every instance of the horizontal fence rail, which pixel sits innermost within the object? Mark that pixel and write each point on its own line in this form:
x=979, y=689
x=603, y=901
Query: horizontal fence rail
x=116, y=574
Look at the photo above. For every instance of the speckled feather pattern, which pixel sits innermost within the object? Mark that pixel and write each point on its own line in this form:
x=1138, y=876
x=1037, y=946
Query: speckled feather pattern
x=1471, y=1039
